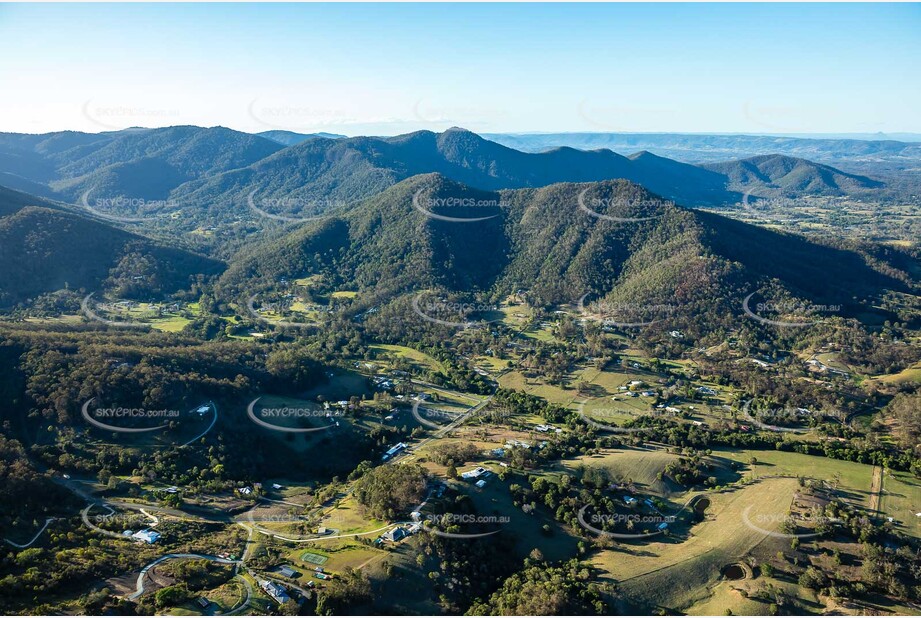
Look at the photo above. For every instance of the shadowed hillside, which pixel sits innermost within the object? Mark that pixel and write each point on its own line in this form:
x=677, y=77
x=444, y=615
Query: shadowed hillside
x=44, y=249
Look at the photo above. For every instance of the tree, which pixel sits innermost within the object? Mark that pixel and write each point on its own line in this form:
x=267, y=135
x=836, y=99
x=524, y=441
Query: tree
x=171, y=596
x=387, y=491
x=350, y=589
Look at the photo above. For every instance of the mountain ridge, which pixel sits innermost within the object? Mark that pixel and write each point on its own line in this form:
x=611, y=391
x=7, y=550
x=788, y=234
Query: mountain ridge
x=632, y=249
x=215, y=173
x=790, y=175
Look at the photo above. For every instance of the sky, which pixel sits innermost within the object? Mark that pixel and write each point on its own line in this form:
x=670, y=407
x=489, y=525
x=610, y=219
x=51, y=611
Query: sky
x=385, y=69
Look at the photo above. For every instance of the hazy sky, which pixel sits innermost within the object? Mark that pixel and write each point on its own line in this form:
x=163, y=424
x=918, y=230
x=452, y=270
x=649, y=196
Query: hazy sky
x=387, y=69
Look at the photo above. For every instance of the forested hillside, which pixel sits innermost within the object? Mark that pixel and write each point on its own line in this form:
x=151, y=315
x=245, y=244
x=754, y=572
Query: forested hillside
x=45, y=249
x=611, y=240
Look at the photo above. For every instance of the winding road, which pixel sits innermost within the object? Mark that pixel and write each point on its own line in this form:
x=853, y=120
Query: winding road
x=213, y=421
x=143, y=574
x=34, y=538
x=248, y=591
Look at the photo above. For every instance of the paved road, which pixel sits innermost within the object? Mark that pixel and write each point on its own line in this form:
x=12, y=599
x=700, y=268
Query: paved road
x=143, y=574
x=248, y=590
x=326, y=537
x=399, y=458
x=460, y=420
x=85, y=515
x=144, y=508
x=34, y=538
x=213, y=421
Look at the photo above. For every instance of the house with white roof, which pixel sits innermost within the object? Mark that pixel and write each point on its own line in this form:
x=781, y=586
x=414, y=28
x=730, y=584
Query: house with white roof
x=147, y=535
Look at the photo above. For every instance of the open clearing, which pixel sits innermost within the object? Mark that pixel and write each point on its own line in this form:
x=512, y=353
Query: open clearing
x=554, y=394
x=334, y=558
x=495, y=499
x=676, y=574
x=910, y=374
x=853, y=479
x=901, y=500
x=641, y=467
x=417, y=357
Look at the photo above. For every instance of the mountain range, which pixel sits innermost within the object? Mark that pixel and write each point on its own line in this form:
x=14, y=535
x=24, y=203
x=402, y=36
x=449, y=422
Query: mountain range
x=214, y=173
x=394, y=219
x=289, y=138
x=789, y=176
x=134, y=163
x=698, y=148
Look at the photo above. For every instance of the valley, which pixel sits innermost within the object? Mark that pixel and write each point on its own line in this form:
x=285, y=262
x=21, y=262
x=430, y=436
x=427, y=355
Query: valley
x=448, y=372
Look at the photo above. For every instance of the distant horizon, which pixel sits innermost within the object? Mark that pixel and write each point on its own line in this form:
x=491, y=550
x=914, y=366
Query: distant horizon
x=905, y=136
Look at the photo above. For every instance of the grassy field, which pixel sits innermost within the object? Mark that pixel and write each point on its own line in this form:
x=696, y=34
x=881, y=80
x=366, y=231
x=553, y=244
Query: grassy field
x=639, y=466
x=309, y=281
x=901, y=500
x=515, y=316
x=172, y=324
x=63, y=319
x=613, y=377
x=344, y=384
x=910, y=374
x=413, y=355
x=338, y=556
x=226, y=597
x=343, y=294
x=853, y=478
x=606, y=410
x=148, y=313
x=539, y=333
x=738, y=597
x=603, y=383
x=676, y=573
x=552, y=393
x=491, y=363
x=830, y=359
x=347, y=518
